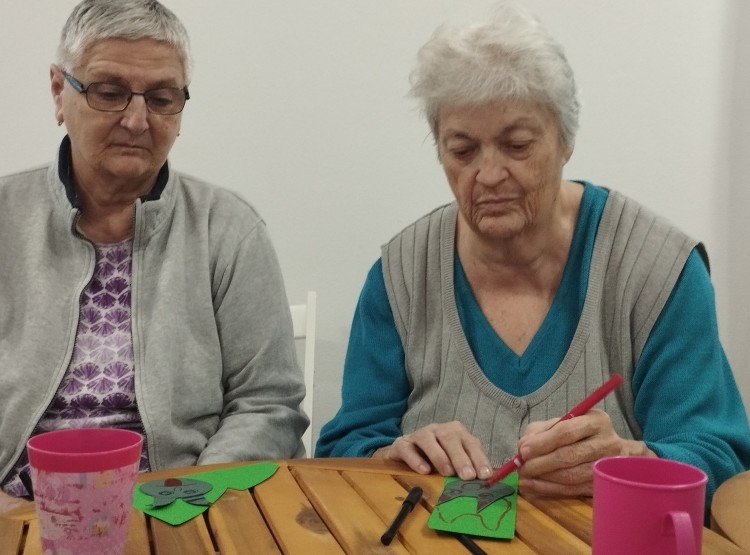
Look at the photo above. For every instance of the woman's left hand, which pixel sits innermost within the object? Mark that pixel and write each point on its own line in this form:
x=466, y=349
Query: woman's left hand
x=447, y=447
x=559, y=460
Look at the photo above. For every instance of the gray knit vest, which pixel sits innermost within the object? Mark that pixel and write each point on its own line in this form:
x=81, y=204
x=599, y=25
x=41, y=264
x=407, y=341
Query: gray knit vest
x=636, y=262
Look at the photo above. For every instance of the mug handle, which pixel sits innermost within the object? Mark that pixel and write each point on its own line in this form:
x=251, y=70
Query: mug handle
x=684, y=536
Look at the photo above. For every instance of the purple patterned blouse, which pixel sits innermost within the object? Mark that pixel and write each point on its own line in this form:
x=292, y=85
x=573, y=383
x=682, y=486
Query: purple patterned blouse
x=98, y=387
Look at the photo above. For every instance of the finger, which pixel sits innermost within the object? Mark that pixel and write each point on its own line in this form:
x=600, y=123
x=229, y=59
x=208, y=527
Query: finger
x=572, y=481
x=459, y=460
x=442, y=445
x=549, y=488
x=404, y=450
x=478, y=455
x=564, y=433
x=538, y=427
x=597, y=440
x=448, y=446
x=466, y=453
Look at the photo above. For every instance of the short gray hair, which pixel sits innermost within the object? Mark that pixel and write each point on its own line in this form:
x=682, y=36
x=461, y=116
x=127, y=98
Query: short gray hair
x=510, y=58
x=94, y=20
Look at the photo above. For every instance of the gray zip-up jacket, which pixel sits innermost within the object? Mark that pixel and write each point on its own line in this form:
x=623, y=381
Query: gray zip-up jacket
x=216, y=374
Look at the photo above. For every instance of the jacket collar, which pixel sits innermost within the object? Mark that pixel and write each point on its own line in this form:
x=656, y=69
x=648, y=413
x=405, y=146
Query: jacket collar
x=65, y=175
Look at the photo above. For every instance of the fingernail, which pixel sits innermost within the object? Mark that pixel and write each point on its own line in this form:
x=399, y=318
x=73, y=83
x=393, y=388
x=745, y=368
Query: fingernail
x=424, y=468
x=466, y=473
x=484, y=472
x=447, y=470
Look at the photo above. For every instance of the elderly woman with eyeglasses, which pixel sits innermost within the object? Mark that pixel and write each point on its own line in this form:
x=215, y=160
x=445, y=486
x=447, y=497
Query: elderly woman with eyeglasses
x=133, y=296
x=489, y=318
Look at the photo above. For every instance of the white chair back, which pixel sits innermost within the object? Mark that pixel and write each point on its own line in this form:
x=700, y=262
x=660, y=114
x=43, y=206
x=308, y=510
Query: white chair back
x=303, y=322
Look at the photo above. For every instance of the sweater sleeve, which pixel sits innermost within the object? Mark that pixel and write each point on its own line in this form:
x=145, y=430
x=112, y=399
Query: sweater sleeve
x=375, y=387
x=262, y=384
x=686, y=398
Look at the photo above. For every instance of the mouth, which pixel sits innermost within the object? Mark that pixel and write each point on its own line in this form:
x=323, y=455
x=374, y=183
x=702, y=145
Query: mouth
x=494, y=201
x=495, y=206
x=128, y=146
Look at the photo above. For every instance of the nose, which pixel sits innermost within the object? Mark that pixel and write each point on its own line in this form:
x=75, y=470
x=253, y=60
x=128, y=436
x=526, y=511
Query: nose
x=135, y=116
x=493, y=167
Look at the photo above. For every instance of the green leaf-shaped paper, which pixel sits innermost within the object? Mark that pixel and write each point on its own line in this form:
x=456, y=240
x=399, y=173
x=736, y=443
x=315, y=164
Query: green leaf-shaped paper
x=178, y=512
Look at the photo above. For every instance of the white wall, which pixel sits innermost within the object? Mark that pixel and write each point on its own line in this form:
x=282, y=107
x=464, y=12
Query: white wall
x=301, y=106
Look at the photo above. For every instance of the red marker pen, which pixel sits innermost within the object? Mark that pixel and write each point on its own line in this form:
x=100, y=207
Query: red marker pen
x=581, y=408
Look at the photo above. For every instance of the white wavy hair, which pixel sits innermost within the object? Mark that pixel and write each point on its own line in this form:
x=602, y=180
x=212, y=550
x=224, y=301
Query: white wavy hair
x=511, y=58
x=94, y=20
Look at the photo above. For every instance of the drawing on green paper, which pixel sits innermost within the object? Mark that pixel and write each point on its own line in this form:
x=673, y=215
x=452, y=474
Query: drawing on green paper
x=473, y=507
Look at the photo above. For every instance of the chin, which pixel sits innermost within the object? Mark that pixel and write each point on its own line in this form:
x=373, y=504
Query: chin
x=130, y=169
x=499, y=229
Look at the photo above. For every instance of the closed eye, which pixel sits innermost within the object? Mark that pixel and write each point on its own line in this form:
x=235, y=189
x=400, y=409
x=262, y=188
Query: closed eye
x=462, y=153
x=519, y=149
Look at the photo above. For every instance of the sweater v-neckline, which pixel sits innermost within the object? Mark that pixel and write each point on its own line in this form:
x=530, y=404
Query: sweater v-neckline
x=463, y=305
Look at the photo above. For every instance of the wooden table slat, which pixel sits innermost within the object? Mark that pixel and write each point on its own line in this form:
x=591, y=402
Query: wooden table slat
x=295, y=524
x=543, y=534
x=137, y=534
x=728, y=514
x=357, y=528
x=432, y=486
x=717, y=544
x=386, y=496
x=23, y=513
x=191, y=537
x=573, y=514
x=11, y=536
x=238, y=526
x=33, y=544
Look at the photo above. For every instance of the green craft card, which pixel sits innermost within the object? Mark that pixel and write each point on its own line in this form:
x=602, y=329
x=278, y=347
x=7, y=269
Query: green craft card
x=473, y=508
x=180, y=511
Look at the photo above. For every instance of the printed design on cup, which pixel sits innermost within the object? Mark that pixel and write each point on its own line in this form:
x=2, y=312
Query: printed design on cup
x=166, y=491
x=75, y=509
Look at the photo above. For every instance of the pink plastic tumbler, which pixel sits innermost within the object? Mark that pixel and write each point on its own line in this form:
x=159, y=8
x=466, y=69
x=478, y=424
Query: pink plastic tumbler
x=647, y=506
x=83, y=483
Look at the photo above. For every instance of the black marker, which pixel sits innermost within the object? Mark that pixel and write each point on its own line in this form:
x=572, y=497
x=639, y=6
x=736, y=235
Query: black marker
x=412, y=499
x=469, y=544
x=26, y=481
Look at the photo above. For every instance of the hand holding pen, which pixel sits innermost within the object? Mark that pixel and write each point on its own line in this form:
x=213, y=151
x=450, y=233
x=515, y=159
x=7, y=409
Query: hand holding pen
x=580, y=409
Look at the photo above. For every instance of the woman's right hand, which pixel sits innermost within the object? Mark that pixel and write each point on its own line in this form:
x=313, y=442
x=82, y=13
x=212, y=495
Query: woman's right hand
x=448, y=447
x=8, y=502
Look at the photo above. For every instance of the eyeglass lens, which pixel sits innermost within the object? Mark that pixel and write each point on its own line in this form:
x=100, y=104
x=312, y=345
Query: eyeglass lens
x=109, y=97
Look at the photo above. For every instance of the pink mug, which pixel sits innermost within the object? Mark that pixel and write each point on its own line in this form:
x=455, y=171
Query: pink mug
x=83, y=482
x=647, y=506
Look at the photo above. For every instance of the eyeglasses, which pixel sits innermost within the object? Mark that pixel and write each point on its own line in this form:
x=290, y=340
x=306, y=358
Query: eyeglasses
x=110, y=97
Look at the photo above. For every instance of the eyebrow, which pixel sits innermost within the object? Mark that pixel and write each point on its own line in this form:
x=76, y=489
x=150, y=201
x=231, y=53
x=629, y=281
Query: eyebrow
x=522, y=123
x=105, y=77
x=535, y=130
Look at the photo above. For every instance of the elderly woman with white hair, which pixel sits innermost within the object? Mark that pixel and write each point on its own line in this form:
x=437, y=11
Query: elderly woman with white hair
x=134, y=296
x=487, y=319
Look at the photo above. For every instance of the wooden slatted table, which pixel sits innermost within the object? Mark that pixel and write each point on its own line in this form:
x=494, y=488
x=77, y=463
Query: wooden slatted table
x=729, y=515
x=331, y=506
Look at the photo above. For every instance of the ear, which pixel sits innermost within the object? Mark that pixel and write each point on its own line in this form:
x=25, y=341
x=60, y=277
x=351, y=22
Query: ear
x=567, y=153
x=57, y=84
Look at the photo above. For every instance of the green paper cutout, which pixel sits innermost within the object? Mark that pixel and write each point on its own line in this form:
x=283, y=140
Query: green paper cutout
x=168, y=491
x=179, y=512
x=459, y=512
x=484, y=494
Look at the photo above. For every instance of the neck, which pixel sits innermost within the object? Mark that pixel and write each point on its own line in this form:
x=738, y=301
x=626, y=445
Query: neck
x=536, y=257
x=106, y=217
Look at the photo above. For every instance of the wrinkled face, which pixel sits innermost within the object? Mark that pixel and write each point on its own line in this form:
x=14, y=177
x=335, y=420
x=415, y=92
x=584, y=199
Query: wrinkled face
x=504, y=164
x=122, y=148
